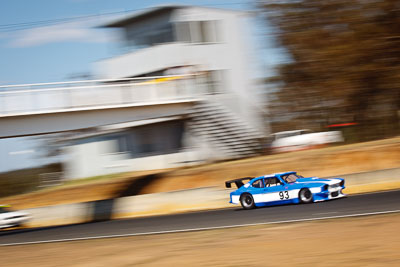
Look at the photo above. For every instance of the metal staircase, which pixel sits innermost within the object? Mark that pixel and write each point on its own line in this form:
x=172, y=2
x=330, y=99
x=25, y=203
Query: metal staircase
x=222, y=129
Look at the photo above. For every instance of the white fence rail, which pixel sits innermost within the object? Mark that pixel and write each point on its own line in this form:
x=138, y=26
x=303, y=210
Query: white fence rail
x=52, y=97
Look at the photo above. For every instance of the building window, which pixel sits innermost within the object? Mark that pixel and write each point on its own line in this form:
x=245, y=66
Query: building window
x=154, y=139
x=122, y=144
x=138, y=38
x=215, y=81
x=198, y=31
x=183, y=32
x=209, y=31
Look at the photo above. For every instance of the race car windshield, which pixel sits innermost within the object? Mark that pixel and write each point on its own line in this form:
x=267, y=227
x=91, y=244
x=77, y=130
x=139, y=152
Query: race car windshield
x=291, y=178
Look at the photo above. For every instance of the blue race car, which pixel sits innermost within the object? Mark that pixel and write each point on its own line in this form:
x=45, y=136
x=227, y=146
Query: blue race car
x=283, y=188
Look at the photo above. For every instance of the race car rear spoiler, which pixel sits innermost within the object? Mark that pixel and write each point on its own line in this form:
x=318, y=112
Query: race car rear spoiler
x=238, y=182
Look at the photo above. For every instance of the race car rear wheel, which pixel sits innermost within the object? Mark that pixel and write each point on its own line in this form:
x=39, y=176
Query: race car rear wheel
x=305, y=195
x=247, y=201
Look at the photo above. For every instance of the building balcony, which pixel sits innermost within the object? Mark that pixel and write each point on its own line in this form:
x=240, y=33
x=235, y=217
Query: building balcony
x=30, y=99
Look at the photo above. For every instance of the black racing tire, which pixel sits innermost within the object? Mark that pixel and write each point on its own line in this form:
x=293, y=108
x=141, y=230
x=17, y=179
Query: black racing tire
x=305, y=196
x=247, y=201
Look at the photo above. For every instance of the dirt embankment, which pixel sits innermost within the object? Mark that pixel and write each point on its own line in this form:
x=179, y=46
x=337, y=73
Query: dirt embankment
x=363, y=241
x=321, y=162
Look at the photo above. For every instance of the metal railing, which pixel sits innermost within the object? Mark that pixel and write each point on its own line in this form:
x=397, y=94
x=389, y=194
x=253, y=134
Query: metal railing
x=75, y=95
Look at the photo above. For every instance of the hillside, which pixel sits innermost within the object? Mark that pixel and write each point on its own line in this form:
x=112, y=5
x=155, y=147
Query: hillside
x=320, y=162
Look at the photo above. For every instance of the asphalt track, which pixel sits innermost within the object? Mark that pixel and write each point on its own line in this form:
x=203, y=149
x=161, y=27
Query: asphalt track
x=357, y=205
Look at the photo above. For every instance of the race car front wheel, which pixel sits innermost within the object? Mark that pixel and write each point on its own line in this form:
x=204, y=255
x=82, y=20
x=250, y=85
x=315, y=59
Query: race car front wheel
x=247, y=201
x=305, y=195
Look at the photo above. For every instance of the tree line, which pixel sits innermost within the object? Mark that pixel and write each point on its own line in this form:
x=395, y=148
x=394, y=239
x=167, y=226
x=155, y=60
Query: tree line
x=344, y=65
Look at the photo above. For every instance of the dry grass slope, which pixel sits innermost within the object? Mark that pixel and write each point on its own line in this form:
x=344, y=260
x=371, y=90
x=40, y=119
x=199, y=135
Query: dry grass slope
x=321, y=162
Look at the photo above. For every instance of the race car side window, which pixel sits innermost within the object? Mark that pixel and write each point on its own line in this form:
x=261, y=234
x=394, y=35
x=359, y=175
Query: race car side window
x=273, y=181
x=258, y=184
x=290, y=178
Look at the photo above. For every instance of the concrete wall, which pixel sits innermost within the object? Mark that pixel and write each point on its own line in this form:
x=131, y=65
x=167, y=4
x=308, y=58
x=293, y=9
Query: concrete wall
x=372, y=177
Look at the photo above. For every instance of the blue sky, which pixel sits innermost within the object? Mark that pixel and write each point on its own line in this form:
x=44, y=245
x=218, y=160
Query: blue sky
x=37, y=52
x=33, y=49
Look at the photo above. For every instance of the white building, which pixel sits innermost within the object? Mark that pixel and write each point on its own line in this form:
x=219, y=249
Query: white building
x=209, y=48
